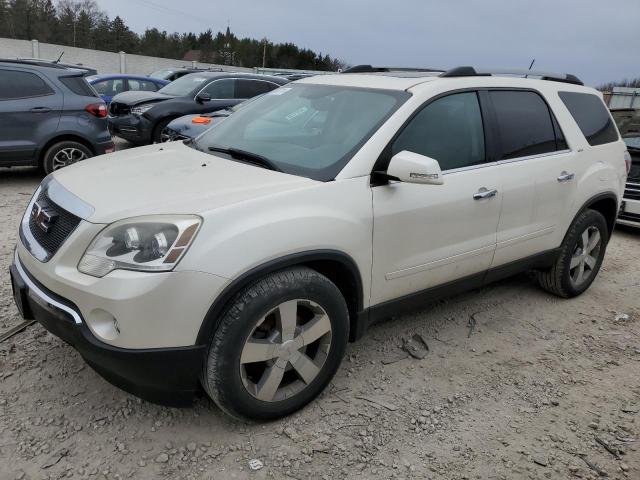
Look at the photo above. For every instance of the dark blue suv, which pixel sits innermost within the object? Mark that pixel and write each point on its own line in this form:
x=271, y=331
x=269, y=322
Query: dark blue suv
x=49, y=116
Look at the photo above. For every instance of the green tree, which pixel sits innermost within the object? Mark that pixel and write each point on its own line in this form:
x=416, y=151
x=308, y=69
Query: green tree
x=123, y=38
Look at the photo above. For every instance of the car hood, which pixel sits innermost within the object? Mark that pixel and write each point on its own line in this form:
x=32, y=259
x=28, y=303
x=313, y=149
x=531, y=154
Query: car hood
x=137, y=97
x=171, y=178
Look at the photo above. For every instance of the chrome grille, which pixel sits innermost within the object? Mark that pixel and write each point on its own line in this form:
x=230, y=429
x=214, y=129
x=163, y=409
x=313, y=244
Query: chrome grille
x=64, y=224
x=632, y=190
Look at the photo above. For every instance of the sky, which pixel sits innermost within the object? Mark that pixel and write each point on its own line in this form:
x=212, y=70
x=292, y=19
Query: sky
x=597, y=40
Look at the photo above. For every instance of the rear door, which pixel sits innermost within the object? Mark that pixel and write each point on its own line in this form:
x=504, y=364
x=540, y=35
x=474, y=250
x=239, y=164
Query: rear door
x=30, y=108
x=429, y=235
x=537, y=170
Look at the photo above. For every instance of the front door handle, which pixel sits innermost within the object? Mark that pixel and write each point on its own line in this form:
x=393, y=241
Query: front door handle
x=566, y=177
x=484, y=193
x=41, y=110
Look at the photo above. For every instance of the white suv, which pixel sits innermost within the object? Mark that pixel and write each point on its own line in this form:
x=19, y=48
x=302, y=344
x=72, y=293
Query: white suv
x=244, y=261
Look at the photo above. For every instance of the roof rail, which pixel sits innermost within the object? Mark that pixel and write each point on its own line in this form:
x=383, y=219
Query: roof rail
x=372, y=69
x=477, y=72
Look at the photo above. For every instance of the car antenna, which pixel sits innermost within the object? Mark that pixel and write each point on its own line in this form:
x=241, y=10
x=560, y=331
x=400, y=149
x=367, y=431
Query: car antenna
x=59, y=58
x=530, y=67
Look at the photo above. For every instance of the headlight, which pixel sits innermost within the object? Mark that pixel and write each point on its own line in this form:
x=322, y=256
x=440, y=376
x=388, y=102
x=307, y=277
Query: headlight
x=140, y=109
x=148, y=244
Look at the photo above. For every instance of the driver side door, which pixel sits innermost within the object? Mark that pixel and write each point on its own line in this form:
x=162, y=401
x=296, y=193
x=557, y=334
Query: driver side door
x=429, y=235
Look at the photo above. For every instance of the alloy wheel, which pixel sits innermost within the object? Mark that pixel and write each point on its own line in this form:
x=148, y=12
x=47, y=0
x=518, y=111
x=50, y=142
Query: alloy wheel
x=286, y=350
x=585, y=256
x=67, y=156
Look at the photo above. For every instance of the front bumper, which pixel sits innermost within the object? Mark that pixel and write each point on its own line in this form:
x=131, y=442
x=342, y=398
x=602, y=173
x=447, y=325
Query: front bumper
x=629, y=213
x=169, y=376
x=132, y=128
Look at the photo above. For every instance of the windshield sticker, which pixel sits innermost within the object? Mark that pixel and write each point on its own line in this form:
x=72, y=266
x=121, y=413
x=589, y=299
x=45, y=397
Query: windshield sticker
x=279, y=91
x=297, y=113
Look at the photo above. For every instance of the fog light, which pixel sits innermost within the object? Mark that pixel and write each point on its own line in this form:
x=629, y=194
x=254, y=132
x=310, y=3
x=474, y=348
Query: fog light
x=103, y=324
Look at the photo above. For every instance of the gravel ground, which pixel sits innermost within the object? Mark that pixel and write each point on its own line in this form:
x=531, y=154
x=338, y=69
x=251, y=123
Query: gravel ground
x=516, y=384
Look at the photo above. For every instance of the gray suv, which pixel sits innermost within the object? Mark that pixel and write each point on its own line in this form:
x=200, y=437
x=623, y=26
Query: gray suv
x=49, y=116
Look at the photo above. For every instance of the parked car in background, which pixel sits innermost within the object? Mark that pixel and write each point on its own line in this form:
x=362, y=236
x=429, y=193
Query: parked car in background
x=49, y=116
x=189, y=127
x=140, y=117
x=245, y=260
x=628, y=121
x=108, y=86
x=172, y=74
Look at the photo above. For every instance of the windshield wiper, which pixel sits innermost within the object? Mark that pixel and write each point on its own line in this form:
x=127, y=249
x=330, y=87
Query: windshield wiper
x=248, y=157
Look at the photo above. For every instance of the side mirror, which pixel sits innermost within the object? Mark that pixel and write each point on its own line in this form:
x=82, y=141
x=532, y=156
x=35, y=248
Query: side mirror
x=203, y=97
x=412, y=167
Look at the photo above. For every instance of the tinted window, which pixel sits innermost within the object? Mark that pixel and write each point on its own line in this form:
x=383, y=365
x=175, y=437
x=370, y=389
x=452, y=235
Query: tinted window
x=109, y=87
x=252, y=88
x=14, y=84
x=310, y=130
x=591, y=116
x=221, y=88
x=524, y=124
x=79, y=86
x=142, y=85
x=448, y=130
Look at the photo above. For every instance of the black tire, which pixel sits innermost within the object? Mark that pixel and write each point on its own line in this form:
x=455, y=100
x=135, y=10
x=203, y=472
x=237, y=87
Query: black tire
x=222, y=378
x=559, y=279
x=157, y=130
x=53, y=156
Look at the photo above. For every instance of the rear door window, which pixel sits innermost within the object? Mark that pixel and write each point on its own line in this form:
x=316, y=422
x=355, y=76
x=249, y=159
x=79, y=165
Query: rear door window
x=524, y=123
x=142, y=85
x=253, y=88
x=221, y=89
x=110, y=87
x=449, y=130
x=592, y=117
x=15, y=84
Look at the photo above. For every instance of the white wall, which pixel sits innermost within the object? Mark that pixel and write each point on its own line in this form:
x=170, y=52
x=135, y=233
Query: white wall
x=104, y=62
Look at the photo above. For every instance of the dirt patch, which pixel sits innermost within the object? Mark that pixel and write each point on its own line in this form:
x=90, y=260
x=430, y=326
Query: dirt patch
x=515, y=384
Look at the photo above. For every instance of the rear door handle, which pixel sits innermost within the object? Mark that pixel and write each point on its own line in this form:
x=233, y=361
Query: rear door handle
x=41, y=110
x=484, y=193
x=566, y=177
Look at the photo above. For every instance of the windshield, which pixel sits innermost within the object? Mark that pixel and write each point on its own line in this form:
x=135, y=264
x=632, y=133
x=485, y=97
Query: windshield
x=304, y=129
x=185, y=86
x=162, y=74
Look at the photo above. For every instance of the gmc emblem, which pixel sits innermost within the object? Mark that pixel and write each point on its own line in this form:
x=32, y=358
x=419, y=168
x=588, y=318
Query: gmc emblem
x=43, y=216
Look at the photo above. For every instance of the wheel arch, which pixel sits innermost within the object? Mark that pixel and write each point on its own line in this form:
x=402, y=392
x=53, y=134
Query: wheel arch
x=605, y=203
x=337, y=266
x=67, y=137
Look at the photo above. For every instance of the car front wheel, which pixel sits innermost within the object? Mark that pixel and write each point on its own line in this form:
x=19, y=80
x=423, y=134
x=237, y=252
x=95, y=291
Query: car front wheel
x=278, y=345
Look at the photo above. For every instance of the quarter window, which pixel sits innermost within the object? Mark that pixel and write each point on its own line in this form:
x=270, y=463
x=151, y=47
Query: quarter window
x=592, y=117
x=221, y=89
x=14, y=84
x=253, y=88
x=449, y=130
x=524, y=123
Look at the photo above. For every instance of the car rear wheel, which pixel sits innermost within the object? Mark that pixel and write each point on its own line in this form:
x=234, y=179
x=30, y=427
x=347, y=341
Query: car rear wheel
x=580, y=258
x=63, y=154
x=278, y=345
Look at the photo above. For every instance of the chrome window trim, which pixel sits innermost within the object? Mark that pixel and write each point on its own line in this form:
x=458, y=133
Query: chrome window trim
x=531, y=157
x=504, y=162
x=34, y=289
